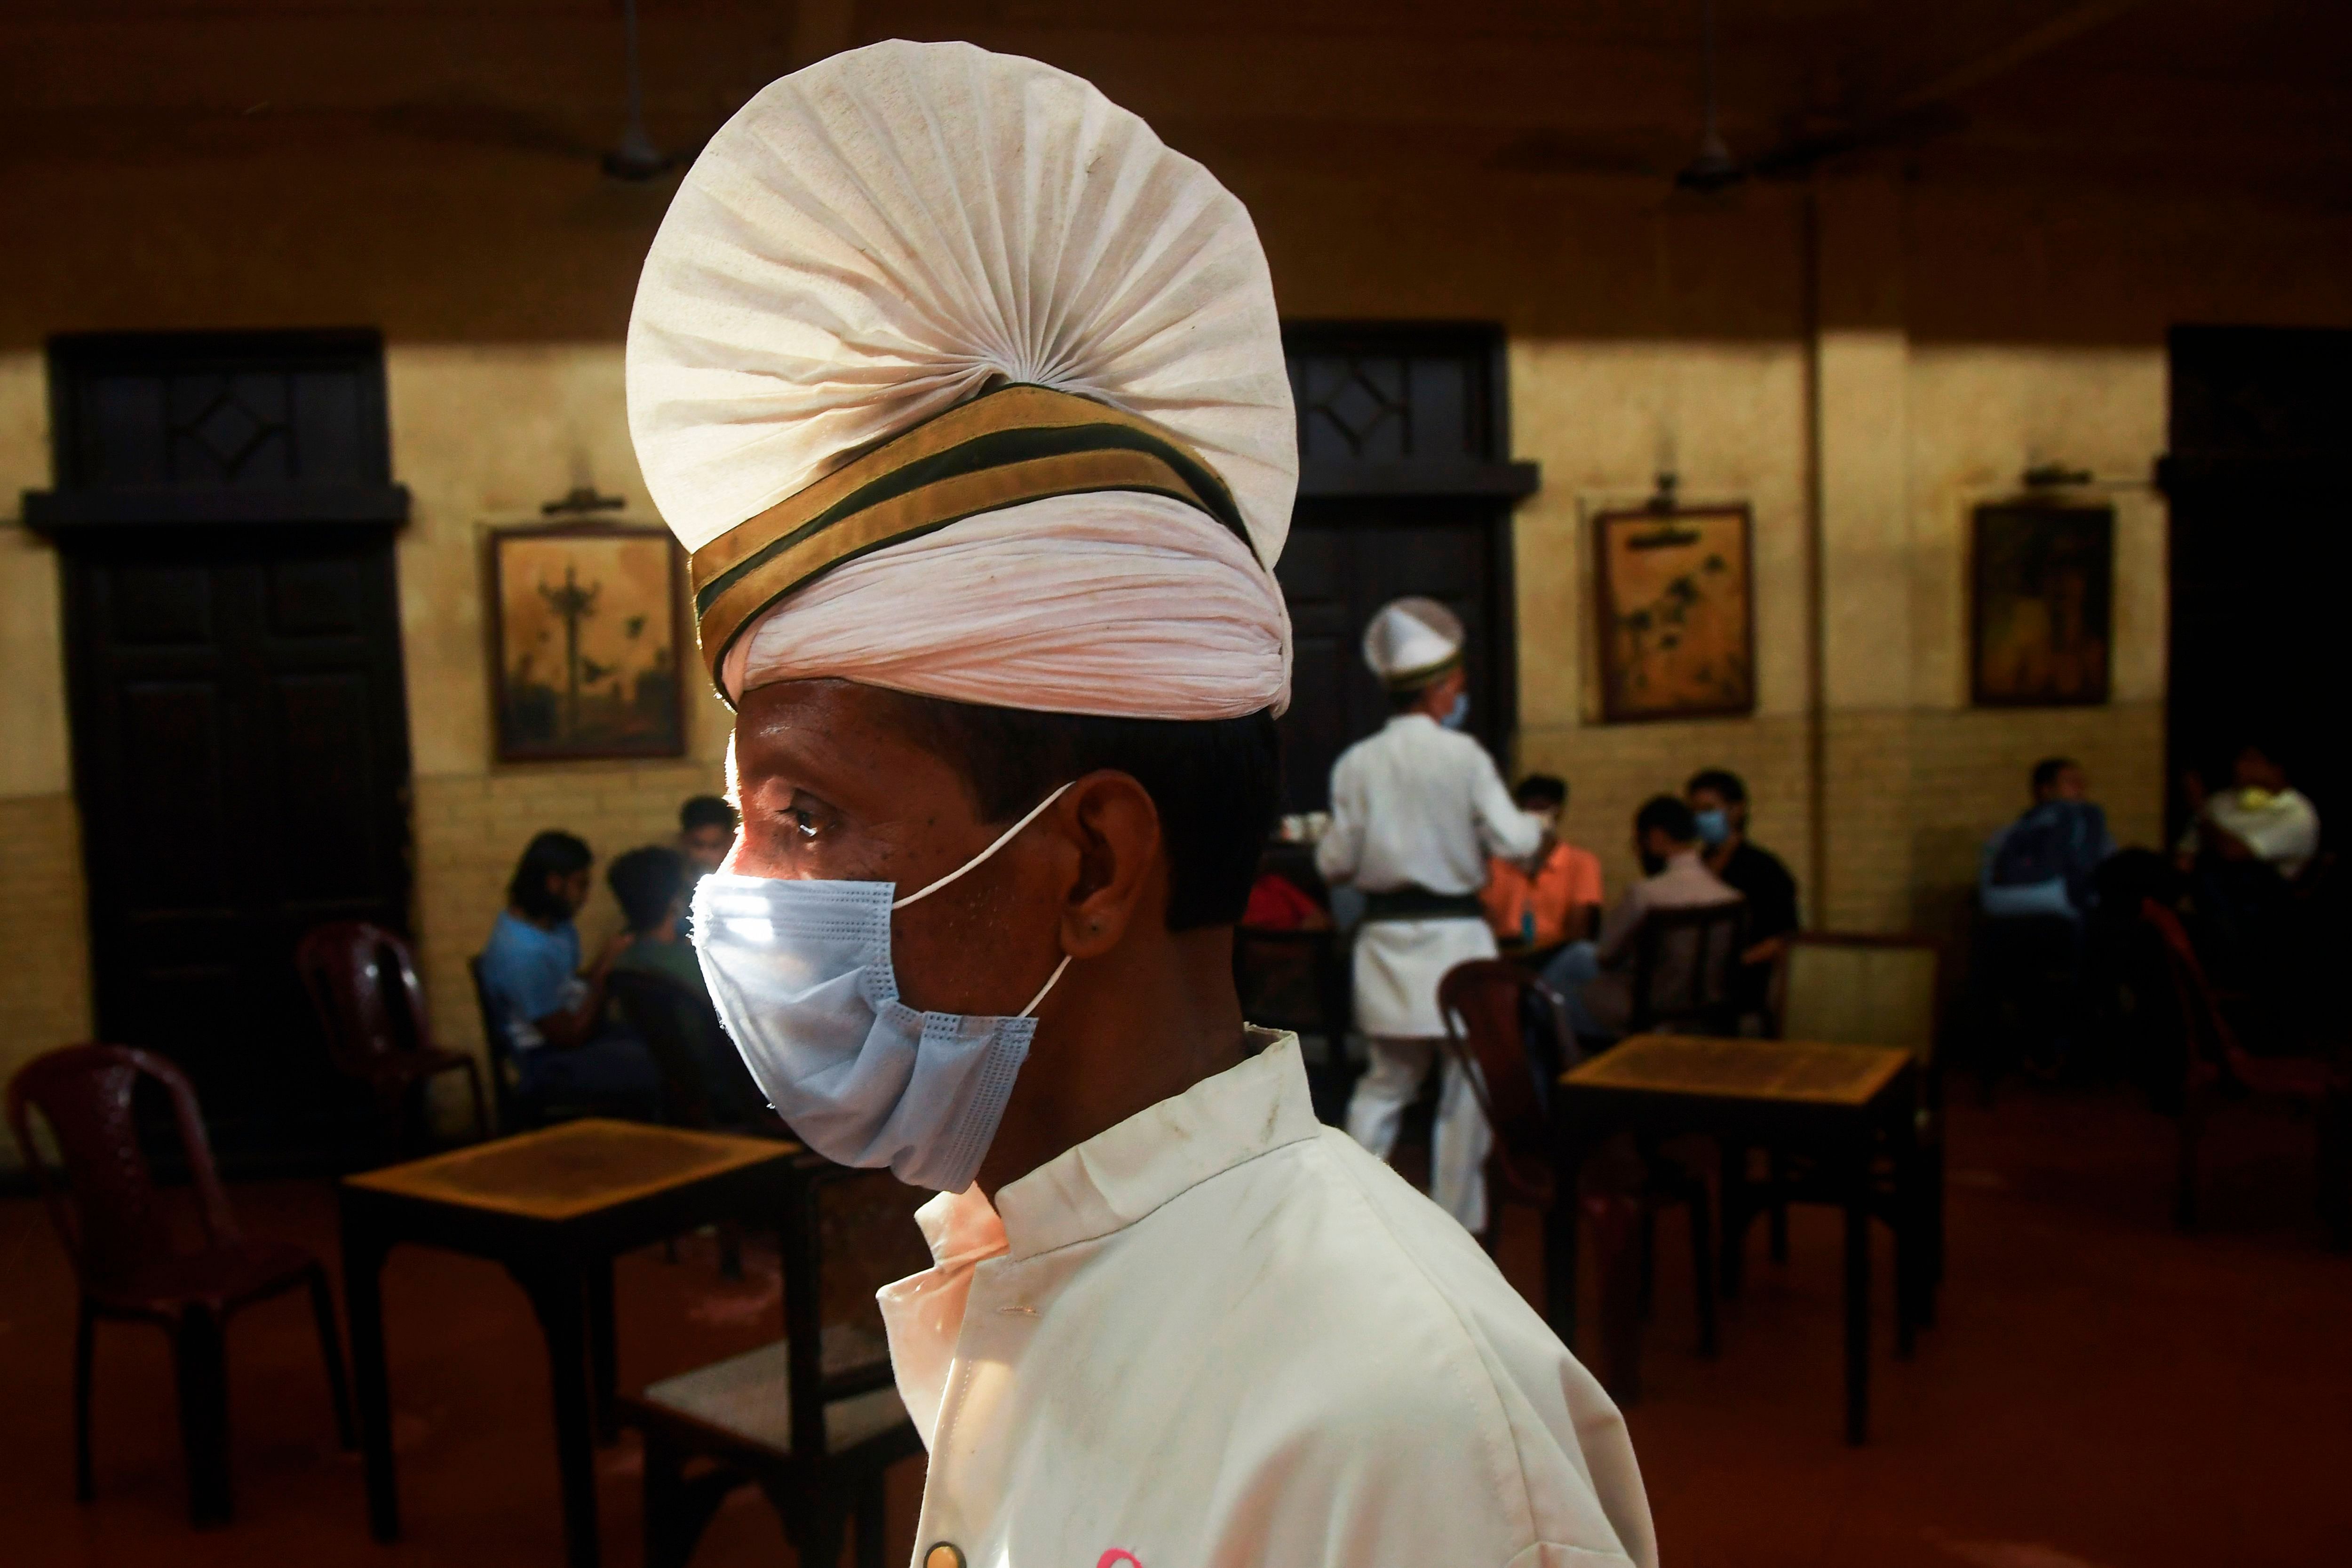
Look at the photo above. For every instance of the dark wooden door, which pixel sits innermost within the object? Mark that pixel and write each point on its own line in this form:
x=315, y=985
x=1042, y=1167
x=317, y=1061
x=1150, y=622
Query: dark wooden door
x=2259, y=511
x=239, y=721
x=1405, y=487
x=1346, y=558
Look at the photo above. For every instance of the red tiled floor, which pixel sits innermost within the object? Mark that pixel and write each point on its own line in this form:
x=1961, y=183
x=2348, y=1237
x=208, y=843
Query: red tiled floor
x=2099, y=1392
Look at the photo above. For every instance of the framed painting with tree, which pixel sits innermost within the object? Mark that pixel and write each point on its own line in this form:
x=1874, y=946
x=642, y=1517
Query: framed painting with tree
x=2042, y=629
x=1677, y=614
x=587, y=629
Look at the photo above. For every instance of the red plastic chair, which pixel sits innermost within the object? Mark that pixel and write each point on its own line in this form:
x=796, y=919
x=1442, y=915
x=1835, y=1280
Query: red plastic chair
x=108, y=1214
x=2214, y=1063
x=362, y=980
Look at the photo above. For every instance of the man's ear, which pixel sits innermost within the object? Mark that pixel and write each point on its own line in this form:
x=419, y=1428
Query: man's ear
x=1123, y=864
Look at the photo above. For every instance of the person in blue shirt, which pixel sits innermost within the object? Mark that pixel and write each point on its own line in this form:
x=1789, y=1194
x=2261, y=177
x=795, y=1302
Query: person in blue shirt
x=2040, y=865
x=553, y=1011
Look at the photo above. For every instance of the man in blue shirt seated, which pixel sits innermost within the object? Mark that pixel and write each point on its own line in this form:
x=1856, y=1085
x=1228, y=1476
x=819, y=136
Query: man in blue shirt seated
x=552, y=1012
x=2040, y=865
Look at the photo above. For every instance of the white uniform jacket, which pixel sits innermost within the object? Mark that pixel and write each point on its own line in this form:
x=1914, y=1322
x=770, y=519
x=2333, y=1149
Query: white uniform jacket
x=1417, y=805
x=1220, y=1335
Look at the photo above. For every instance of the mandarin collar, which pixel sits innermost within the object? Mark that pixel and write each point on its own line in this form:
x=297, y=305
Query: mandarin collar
x=1124, y=1173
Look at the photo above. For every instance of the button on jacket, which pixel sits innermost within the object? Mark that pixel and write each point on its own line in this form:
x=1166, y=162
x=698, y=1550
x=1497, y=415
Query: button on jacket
x=1219, y=1334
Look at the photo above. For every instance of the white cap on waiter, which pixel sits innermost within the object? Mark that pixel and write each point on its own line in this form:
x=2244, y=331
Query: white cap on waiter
x=1412, y=642
x=952, y=378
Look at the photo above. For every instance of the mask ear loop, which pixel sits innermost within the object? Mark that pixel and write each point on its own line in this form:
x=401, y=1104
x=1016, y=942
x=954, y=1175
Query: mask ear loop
x=1049, y=985
x=1002, y=840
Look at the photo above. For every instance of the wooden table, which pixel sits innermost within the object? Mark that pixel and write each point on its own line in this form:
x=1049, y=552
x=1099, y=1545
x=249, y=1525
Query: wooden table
x=1845, y=1103
x=554, y=1206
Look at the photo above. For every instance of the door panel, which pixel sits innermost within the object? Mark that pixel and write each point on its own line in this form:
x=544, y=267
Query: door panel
x=240, y=726
x=1345, y=560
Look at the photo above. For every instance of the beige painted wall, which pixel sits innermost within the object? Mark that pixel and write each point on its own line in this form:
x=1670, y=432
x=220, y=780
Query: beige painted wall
x=482, y=434
x=1913, y=778
x=44, y=945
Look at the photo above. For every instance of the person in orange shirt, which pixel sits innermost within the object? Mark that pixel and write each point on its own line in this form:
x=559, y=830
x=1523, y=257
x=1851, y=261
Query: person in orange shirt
x=1554, y=895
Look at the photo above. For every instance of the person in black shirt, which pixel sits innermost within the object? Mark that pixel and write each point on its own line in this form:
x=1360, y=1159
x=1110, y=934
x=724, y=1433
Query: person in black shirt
x=1719, y=799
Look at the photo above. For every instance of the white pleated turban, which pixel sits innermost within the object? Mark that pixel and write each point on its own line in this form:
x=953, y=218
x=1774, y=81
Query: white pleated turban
x=953, y=379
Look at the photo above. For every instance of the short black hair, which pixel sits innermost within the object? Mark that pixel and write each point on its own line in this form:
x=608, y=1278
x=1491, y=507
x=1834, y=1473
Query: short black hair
x=1541, y=789
x=1718, y=781
x=705, y=811
x=555, y=853
x=646, y=882
x=1216, y=783
x=1670, y=815
x=2046, y=771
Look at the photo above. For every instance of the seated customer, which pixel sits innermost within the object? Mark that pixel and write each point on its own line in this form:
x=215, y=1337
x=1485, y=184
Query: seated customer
x=2042, y=865
x=552, y=1012
x=706, y=832
x=2261, y=818
x=1719, y=802
x=1552, y=896
x=653, y=886
x=1596, y=978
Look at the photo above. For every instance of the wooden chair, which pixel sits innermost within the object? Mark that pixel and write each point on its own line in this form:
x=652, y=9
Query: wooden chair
x=105, y=1207
x=1856, y=989
x=813, y=1420
x=672, y=1025
x=1683, y=970
x=1485, y=1005
x=361, y=980
x=2215, y=1066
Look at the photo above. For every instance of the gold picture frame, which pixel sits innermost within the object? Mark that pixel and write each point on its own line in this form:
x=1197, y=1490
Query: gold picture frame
x=2042, y=611
x=1673, y=589
x=588, y=638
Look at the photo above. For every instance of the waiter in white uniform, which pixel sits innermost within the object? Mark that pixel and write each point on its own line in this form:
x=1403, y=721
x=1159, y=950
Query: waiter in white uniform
x=967, y=396
x=1415, y=812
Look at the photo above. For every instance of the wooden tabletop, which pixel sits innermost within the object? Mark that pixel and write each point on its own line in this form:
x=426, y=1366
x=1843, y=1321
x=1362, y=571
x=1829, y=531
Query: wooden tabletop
x=1743, y=1069
x=572, y=1169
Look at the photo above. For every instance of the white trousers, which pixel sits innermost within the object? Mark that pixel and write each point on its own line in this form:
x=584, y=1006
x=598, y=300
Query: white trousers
x=1457, y=1163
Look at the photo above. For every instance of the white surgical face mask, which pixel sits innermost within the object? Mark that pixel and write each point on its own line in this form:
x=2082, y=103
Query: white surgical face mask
x=799, y=971
x=1459, y=714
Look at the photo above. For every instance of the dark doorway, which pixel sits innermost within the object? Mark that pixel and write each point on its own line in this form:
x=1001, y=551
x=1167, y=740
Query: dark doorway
x=240, y=732
x=2259, y=512
x=1405, y=487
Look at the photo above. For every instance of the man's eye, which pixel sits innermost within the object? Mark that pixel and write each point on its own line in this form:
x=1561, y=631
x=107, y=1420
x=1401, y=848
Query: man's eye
x=802, y=820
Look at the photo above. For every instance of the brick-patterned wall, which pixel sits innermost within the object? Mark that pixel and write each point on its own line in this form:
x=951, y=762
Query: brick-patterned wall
x=1613, y=769
x=471, y=828
x=1910, y=796
x=44, y=933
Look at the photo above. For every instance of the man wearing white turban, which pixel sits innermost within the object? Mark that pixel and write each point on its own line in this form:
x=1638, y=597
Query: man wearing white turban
x=967, y=396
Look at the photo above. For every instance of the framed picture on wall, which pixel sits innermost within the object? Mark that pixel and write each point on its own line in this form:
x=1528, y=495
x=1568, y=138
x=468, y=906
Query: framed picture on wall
x=1675, y=613
x=587, y=629
x=2043, y=611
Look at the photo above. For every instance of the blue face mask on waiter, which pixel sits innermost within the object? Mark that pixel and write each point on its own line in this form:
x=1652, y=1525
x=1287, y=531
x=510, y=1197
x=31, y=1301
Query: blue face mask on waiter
x=800, y=972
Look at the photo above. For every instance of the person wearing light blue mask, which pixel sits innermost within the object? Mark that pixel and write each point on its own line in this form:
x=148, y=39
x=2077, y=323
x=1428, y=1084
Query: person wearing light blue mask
x=983, y=543
x=1719, y=802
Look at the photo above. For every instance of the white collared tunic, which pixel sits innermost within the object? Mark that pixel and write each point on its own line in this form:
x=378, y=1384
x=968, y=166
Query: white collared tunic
x=1220, y=1334
x=1417, y=805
